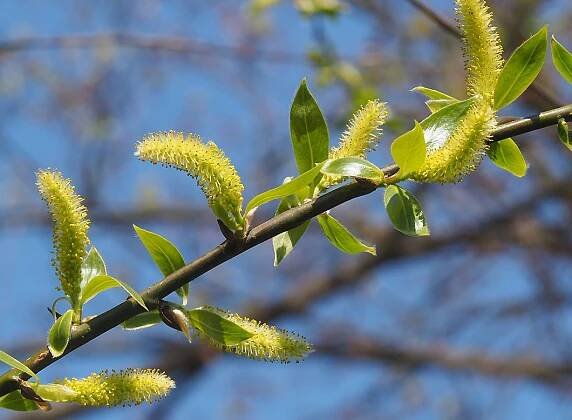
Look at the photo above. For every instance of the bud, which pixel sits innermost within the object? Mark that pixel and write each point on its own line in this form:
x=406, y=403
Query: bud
x=214, y=172
x=70, y=229
x=131, y=386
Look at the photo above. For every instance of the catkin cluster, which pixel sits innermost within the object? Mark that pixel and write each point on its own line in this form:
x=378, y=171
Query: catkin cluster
x=267, y=342
x=466, y=146
x=213, y=171
x=130, y=386
x=70, y=229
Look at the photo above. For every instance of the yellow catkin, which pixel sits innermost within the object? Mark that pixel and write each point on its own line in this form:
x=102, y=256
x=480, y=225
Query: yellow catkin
x=69, y=231
x=214, y=172
x=466, y=146
x=267, y=342
x=127, y=387
x=363, y=131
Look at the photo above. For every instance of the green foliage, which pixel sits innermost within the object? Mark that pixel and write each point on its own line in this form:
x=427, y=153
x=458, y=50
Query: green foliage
x=16, y=402
x=506, y=155
x=521, y=69
x=409, y=150
x=217, y=328
x=285, y=242
x=564, y=133
x=308, y=130
x=142, y=320
x=353, y=167
x=562, y=59
x=340, y=237
x=59, y=335
x=165, y=255
x=405, y=212
x=102, y=283
x=16, y=364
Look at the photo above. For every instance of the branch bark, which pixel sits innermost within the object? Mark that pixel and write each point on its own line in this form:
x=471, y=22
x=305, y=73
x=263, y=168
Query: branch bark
x=104, y=322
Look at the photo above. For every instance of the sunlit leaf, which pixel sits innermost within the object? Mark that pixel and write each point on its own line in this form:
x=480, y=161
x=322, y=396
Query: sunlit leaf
x=405, y=212
x=222, y=331
x=506, y=155
x=409, y=150
x=340, y=237
x=562, y=59
x=100, y=284
x=564, y=133
x=438, y=127
x=59, y=335
x=16, y=364
x=93, y=265
x=15, y=401
x=142, y=320
x=285, y=242
x=353, y=166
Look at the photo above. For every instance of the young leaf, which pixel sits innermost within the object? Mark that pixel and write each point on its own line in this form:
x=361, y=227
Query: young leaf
x=93, y=265
x=564, y=133
x=506, y=155
x=308, y=130
x=15, y=401
x=405, y=212
x=432, y=93
x=409, y=150
x=340, y=237
x=100, y=284
x=142, y=320
x=286, y=189
x=354, y=167
x=435, y=105
x=222, y=331
x=59, y=335
x=438, y=127
x=521, y=69
x=165, y=255
x=285, y=242
x=16, y=364
x=562, y=59
x=55, y=392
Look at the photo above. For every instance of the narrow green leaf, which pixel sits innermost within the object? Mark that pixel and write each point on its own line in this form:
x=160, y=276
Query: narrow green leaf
x=432, y=93
x=285, y=242
x=405, y=212
x=564, y=133
x=409, y=150
x=165, y=255
x=16, y=364
x=506, y=155
x=438, y=127
x=15, y=401
x=562, y=59
x=435, y=105
x=55, y=392
x=100, y=284
x=521, y=69
x=59, y=335
x=340, y=237
x=222, y=331
x=286, y=189
x=354, y=167
x=142, y=320
x=93, y=265
x=308, y=130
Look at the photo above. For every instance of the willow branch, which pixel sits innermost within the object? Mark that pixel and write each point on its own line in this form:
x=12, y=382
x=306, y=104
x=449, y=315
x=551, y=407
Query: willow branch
x=104, y=322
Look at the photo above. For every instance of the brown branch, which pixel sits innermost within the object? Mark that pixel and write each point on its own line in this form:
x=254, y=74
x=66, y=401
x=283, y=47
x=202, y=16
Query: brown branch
x=104, y=322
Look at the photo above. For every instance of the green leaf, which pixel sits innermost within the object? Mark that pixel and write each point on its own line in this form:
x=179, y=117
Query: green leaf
x=55, y=392
x=142, y=320
x=59, y=335
x=15, y=401
x=286, y=189
x=521, y=69
x=438, y=127
x=308, y=130
x=435, y=105
x=354, y=167
x=409, y=150
x=564, y=133
x=222, y=331
x=340, y=237
x=285, y=242
x=16, y=364
x=165, y=255
x=432, y=93
x=405, y=212
x=506, y=155
x=562, y=59
x=93, y=265
x=100, y=284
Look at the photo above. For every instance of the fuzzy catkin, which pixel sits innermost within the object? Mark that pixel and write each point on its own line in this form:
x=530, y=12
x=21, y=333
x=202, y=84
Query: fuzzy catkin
x=466, y=146
x=213, y=171
x=130, y=386
x=267, y=342
x=70, y=229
